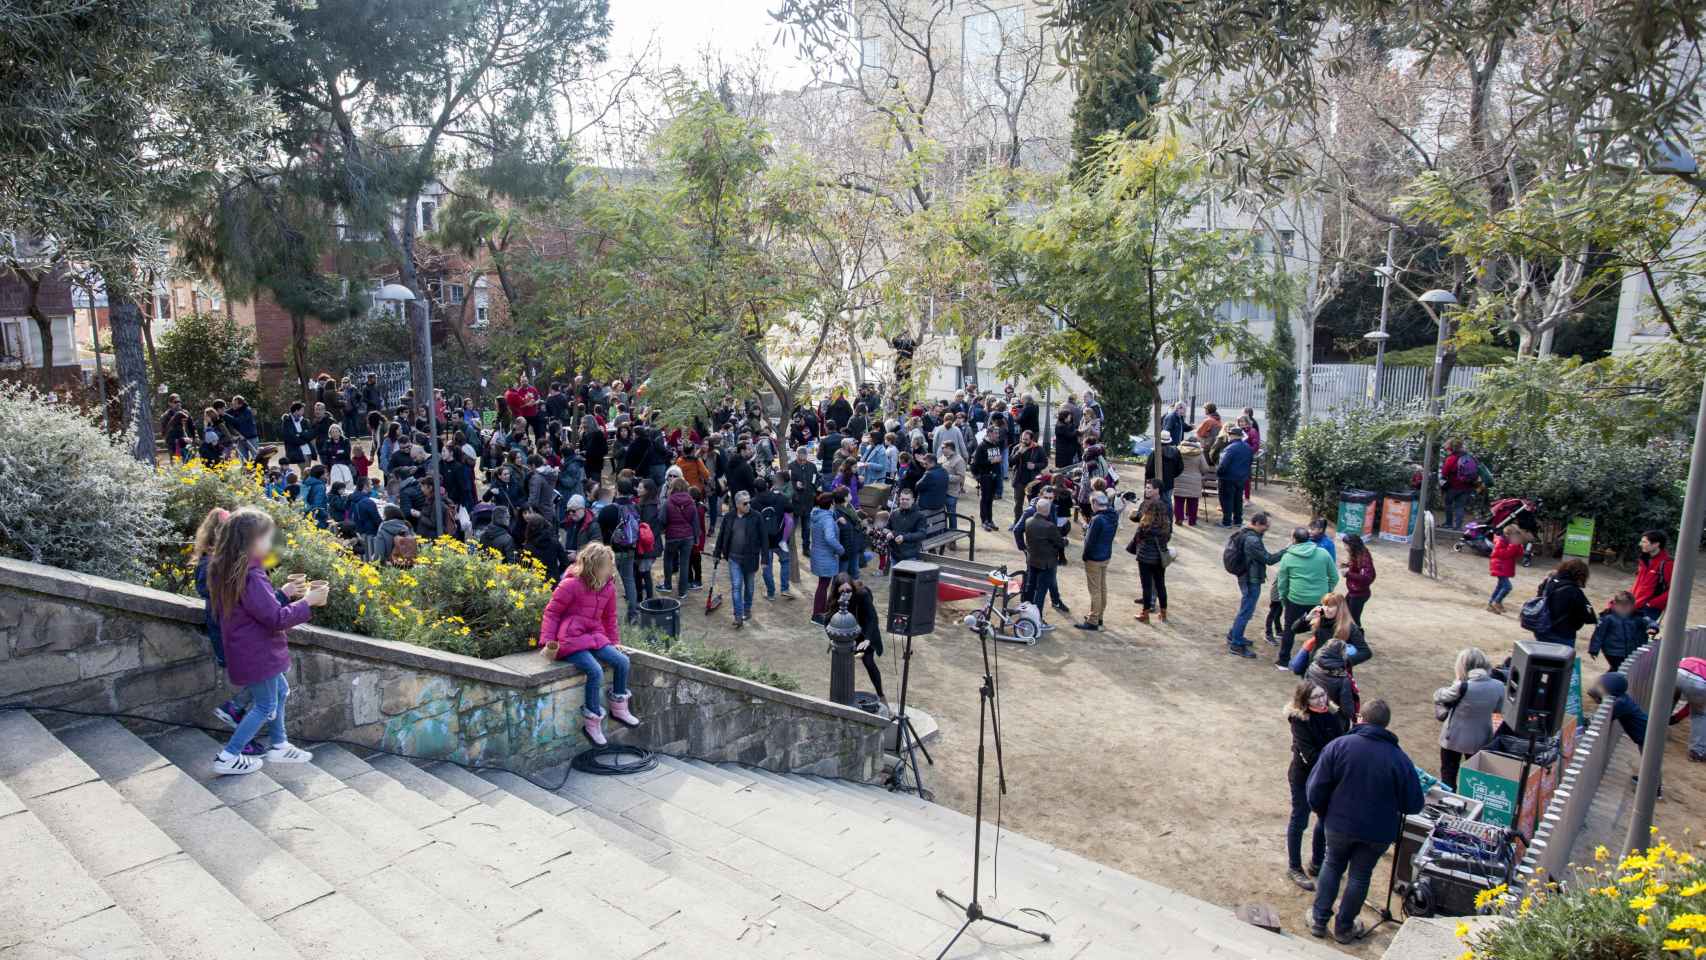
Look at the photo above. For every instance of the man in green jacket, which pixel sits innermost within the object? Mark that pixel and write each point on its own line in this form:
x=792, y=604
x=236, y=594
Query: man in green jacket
x=1306, y=574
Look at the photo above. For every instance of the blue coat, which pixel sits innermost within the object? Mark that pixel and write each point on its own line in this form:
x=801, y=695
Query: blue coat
x=932, y=489
x=1099, y=538
x=1235, y=462
x=366, y=516
x=826, y=544
x=1362, y=783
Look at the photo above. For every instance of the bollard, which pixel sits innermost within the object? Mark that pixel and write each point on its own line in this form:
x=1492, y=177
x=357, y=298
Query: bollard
x=844, y=634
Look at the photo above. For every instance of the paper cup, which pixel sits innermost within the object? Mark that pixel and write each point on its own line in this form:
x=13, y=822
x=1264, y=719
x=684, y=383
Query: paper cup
x=296, y=578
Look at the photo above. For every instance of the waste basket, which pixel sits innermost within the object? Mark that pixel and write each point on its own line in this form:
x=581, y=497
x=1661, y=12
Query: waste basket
x=661, y=615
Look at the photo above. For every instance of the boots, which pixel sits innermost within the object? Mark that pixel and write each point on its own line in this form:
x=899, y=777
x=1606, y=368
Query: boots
x=1161, y=614
x=619, y=710
x=1143, y=616
x=593, y=727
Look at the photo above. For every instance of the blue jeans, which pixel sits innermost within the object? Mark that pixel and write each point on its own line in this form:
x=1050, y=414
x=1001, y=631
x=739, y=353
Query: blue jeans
x=1457, y=507
x=1299, y=821
x=787, y=566
x=953, y=507
x=1353, y=861
x=267, y=707
x=1232, y=501
x=1250, y=591
x=1501, y=590
x=588, y=661
x=678, y=558
x=740, y=590
x=1040, y=582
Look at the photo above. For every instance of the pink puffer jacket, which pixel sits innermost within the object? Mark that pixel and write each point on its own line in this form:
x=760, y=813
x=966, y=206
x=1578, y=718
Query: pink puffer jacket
x=579, y=618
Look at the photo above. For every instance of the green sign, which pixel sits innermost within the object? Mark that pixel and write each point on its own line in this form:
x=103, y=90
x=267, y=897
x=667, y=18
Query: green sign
x=1496, y=793
x=488, y=417
x=1353, y=517
x=1578, y=537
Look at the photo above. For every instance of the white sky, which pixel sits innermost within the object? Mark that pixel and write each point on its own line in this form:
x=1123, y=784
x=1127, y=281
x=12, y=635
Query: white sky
x=680, y=29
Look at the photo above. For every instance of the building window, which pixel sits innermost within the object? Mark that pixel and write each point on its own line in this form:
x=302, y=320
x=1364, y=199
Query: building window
x=482, y=308
x=457, y=293
x=992, y=59
x=182, y=296
x=162, y=305
x=1286, y=239
x=871, y=53
x=14, y=344
x=429, y=208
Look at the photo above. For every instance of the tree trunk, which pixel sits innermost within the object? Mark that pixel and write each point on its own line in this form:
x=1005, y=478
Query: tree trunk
x=968, y=360
x=127, y=324
x=148, y=342
x=299, y=352
x=1546, y=341
x=44, y=327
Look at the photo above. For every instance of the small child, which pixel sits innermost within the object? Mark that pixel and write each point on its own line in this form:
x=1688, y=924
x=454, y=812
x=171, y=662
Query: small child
x=1502, y=565
x=360, y=463
x=579, y=626
x=1619, y=632
x=1274, y=627
x=252, y=625
x=230, y=712
x=1624, y=709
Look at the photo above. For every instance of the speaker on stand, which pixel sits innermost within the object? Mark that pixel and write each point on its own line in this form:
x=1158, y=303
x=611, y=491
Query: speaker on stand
x=912, y=612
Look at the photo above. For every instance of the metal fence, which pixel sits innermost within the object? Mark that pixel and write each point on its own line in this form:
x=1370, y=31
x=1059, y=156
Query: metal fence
x=393, y=380
x=1334, y=386
x=1560, y=824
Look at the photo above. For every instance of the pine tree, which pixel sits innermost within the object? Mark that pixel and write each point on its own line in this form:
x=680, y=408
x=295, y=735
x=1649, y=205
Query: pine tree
x=1281, y=377
x=1112, y=101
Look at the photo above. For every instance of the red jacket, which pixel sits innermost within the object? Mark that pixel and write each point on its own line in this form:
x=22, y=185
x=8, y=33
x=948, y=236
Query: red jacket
x=579, y=617
x=1448, y=471
x=1506, y=552
x=1652, y=581
x=522, y=401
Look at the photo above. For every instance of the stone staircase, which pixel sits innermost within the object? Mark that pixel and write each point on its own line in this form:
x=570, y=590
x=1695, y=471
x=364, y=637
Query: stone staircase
x=118, y=847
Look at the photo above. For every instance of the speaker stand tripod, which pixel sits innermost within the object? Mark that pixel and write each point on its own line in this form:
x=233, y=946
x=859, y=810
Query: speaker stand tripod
x=988, y=717
x=907, y=744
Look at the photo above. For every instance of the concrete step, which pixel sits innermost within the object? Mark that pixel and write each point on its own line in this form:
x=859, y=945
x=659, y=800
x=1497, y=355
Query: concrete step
x=172, y=902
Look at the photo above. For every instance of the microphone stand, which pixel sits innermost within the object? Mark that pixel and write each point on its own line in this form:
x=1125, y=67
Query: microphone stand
x=989, y=717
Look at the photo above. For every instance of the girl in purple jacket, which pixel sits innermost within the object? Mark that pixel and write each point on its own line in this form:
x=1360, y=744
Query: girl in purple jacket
x=252, y=625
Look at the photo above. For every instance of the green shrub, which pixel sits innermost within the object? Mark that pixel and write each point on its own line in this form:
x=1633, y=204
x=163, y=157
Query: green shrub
x=456, y=597
x=1651, y=904
x=70, y=495
x=206, y=357
x=1626, y=489
x=1468, y=355
x=701, y=654
x=1351, y=453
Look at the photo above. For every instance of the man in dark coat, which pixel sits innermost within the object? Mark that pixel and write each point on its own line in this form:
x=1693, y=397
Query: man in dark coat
x=1030, y=416
x=1045, y=548
x=297, y=434
x=1362, y=786
x=932, y=488
x=907, y=528
x=740, y=543
x=1233, y=471
x=802, y=475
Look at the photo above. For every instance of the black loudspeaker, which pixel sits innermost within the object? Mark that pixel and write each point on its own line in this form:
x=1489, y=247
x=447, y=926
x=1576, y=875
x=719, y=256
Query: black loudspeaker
x=912, y=597
x=1538, y=686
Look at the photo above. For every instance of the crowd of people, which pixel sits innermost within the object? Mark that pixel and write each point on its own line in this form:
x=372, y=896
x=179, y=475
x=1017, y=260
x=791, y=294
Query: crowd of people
x=607, y=496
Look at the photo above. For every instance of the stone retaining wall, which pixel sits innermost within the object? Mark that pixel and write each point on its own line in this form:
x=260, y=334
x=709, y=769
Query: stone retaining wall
x=88, y=643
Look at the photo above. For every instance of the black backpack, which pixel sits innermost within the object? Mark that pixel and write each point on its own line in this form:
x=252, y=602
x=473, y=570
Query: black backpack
x=1232, y=556
x=772, y=517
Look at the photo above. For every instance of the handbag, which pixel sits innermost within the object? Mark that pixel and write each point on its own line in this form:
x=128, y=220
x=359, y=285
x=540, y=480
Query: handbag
x=1169, y=553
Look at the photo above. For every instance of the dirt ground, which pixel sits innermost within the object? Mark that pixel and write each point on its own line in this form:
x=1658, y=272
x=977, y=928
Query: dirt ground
x=1147, y=747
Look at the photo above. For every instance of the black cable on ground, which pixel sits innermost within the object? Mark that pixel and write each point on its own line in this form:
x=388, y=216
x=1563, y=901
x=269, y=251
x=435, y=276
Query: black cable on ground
x=644, y=759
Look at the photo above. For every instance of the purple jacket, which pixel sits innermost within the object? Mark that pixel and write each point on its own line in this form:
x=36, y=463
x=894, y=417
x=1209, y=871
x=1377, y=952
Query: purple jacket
x=255, y=647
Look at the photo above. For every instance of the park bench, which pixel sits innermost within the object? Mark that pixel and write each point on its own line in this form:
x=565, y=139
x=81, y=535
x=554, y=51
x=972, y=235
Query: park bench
x=943, y=529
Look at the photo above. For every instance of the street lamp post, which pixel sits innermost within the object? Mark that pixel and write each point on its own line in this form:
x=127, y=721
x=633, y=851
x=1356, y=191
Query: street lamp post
x=1672, y=160
x=397, y=293
x=1380, y=336
x=1432, y=301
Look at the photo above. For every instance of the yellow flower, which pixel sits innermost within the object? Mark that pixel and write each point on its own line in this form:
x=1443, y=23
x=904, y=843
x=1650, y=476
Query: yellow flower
x=1641, y=921
x=1488, y=896
x=1654, y=889
x=1689, y=921
x=490, y=583
x=1462, y=930
x=1678, y=944
x=1522, y=908
x=1694, y=889
x=1600, y=853
x=1642, y=902
x=1467, y=955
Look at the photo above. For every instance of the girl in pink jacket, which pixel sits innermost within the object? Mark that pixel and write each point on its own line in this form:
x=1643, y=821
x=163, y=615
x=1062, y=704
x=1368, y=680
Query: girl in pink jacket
x=580, y=626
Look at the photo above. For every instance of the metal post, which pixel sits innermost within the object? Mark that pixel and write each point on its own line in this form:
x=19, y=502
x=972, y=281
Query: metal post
x=1418, y=545
x=1670, y=637
x=1385, y=304
x=432, y=420
x=100, y=374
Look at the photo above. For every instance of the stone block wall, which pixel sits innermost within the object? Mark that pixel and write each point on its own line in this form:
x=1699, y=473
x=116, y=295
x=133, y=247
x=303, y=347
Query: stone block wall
x=86, y=643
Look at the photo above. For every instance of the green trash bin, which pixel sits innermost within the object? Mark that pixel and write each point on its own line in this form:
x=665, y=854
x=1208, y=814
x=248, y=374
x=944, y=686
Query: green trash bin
x=1357, y=512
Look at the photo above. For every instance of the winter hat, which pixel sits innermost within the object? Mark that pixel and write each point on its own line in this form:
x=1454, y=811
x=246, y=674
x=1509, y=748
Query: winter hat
x=1614, y=684
x=577, y=502
x=1166, y=436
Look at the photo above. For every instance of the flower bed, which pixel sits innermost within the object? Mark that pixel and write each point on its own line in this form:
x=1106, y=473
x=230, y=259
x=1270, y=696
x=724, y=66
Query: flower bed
x=457, y=597
x=1648, y=905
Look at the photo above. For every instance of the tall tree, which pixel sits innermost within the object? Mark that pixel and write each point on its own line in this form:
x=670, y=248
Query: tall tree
x=107, y=111
x=1114, y=101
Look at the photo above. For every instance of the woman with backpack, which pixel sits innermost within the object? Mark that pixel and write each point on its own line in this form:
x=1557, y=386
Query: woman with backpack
x=1560, y=608
x=1466, y=707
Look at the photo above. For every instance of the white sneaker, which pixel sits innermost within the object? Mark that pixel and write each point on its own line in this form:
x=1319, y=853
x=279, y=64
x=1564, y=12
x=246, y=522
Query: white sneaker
x=285, y=753
x=229, y=764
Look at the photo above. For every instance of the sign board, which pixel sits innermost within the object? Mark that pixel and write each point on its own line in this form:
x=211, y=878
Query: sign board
x=1578, y=537
x=1492, y=778
x=1397, y=519
x=1356, y=518
x=488, y=417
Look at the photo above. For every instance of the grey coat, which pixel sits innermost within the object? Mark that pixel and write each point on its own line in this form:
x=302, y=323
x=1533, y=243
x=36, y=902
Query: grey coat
x=1467, y=707
x=1191, y=470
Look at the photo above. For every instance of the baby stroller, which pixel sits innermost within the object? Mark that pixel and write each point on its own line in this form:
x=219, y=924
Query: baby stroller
x=1478, y=536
